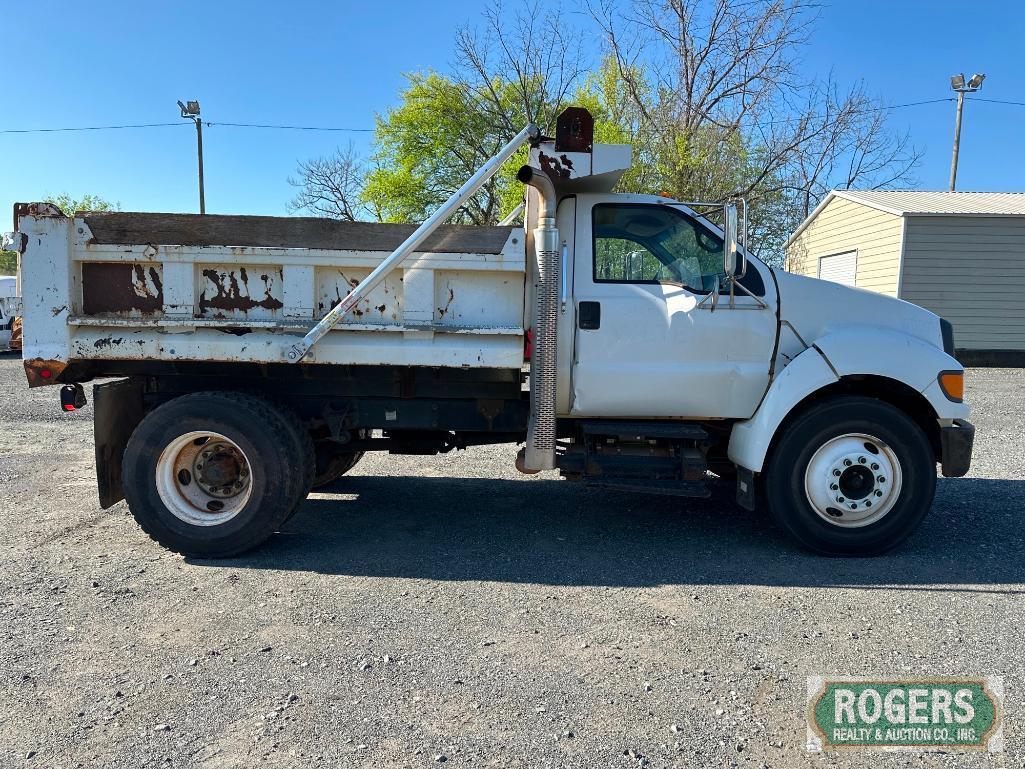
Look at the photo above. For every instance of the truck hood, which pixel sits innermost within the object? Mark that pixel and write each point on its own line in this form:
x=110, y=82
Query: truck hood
x=815, y=307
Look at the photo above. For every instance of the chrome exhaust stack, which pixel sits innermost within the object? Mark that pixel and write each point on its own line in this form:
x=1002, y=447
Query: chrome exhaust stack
x=540, y=449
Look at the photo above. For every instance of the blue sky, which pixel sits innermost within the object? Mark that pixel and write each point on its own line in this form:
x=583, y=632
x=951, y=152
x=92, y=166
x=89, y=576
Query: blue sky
x=336, y=64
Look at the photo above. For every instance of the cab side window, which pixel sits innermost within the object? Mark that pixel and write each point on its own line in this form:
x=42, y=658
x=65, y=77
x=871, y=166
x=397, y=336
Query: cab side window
x=650, y=243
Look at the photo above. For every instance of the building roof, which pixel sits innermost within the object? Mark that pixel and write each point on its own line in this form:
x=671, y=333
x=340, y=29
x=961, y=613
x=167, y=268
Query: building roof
x=926, y=203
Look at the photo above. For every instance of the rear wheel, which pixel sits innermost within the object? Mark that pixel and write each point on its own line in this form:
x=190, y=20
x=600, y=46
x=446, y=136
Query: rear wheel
x=214, y=474
x=333, y=464
x=851, y=476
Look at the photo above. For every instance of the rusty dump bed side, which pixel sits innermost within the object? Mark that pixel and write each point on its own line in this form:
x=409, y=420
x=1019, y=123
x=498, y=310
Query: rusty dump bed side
x=204, y=288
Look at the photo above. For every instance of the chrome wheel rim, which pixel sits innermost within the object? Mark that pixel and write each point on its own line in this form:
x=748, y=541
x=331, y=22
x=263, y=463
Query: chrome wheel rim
x=204, y=478
x=853, y=480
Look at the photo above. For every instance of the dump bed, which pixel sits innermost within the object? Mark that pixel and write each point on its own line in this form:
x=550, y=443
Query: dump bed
x=181, y=287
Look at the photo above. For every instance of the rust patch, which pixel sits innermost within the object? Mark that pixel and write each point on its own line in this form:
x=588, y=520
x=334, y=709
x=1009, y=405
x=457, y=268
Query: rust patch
x=556, y=167
x=34, y=368
x=232, y=292
x=107, y=341
x=119, y=288
x=38, y=210
x=448, y=304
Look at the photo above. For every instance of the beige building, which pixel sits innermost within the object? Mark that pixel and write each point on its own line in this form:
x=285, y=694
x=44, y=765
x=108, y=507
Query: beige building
x=959, y=254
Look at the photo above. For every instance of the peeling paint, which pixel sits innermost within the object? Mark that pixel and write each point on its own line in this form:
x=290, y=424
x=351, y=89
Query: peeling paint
x=232, y=292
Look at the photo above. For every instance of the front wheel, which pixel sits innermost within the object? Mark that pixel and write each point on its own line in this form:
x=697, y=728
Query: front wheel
x=851, y=476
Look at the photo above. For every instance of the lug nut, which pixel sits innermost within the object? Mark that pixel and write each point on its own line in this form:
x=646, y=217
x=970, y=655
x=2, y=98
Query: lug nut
x=879, y=493
x=875, y=466
x=854, y=507
x=834, y=487
x=868, y=503
x=861, y=460
x=836, y=473
x=847, y=463
x=840, y=500
x=881, y=479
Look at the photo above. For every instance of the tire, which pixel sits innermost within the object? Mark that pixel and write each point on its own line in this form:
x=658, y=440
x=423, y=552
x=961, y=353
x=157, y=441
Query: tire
x=851, y=476
x=332, y=465
x=257, y=472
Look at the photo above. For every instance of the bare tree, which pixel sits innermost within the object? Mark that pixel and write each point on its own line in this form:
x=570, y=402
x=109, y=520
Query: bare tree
x=723, y=107
x=331, y=186
x=534, y=50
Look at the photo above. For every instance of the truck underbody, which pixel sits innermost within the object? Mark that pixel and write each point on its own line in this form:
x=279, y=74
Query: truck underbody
x=408, y=410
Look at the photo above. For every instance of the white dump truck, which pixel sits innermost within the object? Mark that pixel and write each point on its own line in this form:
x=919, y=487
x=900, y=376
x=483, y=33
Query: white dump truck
x=626, y=340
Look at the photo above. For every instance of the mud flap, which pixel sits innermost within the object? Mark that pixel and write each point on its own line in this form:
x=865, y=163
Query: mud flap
x=746, y=488
x=118, y=409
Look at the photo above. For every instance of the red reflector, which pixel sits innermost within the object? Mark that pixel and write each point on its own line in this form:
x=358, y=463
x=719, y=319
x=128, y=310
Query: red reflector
x=46, y=373
x=528, y=344
x=68, y=407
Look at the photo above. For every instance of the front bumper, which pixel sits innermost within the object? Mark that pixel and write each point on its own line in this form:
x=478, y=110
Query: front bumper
x=956, y=448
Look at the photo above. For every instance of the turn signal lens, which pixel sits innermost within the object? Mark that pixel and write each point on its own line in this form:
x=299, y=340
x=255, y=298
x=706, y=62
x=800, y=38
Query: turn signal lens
x=952, y=384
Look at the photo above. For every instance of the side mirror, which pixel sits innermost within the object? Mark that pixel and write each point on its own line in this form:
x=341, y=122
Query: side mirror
x=729, y=241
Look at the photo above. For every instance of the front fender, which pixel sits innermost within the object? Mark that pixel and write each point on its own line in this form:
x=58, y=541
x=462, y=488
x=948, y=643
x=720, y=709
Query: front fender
x=852, y=350
x=750, y=439
x=890, y=353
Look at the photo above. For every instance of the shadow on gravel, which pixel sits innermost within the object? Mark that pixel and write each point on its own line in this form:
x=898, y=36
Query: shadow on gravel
x=553, y=532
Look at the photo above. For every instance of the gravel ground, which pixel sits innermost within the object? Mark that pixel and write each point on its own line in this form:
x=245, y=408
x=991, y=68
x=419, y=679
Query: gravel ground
x=448, y=609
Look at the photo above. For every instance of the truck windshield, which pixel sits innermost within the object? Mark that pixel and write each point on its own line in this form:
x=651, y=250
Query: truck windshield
x=644, y=243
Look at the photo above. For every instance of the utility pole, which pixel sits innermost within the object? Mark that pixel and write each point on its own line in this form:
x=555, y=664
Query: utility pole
x=190, y=111
x=957, y=82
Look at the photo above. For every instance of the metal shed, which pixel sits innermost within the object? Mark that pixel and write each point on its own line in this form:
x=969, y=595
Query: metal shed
x=959, y=254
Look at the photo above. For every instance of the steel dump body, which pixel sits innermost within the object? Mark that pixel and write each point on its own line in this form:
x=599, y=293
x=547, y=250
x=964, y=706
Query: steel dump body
x=180, y=287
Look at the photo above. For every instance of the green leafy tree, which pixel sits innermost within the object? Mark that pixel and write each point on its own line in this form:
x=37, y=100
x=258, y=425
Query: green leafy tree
x=69, y=205
x=433, y=141
x=513, y=69
x=8, y=262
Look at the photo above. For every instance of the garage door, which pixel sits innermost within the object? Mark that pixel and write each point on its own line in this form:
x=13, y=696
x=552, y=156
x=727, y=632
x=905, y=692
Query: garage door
x=839, y=268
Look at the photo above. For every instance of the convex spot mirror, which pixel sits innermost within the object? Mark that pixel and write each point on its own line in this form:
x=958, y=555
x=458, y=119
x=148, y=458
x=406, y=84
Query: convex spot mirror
x=729, y=245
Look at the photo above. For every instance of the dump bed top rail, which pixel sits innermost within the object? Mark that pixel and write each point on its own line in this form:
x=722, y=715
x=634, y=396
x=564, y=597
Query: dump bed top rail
x=120, y=228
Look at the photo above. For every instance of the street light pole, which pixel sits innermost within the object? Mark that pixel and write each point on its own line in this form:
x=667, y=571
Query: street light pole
x=199, y=152
x=190, y=111
x=957, y=82
x=957, y=140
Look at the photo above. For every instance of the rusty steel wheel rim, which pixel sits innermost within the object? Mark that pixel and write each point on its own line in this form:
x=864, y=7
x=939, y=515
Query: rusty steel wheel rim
x=204, y=478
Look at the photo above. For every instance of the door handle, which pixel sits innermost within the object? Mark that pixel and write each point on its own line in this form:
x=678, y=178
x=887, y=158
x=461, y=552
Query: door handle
x=589, y=316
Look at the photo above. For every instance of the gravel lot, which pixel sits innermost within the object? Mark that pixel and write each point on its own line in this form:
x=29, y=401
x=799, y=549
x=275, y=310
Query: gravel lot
x=448, y=609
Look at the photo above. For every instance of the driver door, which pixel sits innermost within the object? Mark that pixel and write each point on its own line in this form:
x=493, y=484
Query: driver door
x=643, y=347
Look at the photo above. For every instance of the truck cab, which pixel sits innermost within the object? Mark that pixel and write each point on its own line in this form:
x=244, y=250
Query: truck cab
x=628, y=341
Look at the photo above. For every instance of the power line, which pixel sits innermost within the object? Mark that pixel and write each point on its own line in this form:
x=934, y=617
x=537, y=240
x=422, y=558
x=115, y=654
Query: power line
x=86, y=128
x=883, y=108
x=290, y=127
x=345, y=129
x=997, y=101
x=161, y=125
